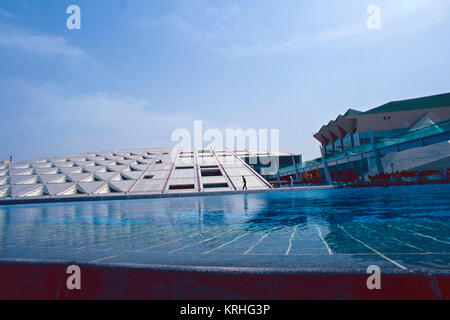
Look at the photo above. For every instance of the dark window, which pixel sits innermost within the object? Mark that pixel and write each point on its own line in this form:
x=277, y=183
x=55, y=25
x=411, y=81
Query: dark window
x=148, y=177
x=211, y=172
x=181, y=187
x=215, y=185
x=184, y=167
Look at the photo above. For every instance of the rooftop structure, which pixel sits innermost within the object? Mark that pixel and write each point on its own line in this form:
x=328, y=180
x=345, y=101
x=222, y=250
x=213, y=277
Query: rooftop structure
x=131, y=172
x=398, y=136
x=351, y=129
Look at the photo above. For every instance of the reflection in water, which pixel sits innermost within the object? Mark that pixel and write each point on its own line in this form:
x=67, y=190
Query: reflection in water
x=395, y=220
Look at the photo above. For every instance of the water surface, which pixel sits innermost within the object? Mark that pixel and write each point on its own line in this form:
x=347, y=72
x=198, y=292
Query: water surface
x=397, y=228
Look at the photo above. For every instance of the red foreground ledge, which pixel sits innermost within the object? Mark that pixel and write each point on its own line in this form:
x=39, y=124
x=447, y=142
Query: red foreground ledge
x=48, y=281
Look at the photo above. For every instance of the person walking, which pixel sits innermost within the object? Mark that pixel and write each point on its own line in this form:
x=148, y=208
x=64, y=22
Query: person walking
x=244, y=183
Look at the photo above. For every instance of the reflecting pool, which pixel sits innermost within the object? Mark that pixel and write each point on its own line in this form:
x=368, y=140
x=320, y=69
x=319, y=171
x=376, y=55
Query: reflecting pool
x=396, y=228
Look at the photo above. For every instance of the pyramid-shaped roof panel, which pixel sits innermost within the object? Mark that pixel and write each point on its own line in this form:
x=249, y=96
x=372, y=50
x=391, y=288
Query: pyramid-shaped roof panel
x=95, y=175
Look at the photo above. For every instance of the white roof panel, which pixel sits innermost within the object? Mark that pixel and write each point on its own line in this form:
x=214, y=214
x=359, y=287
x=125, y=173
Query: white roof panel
x=56, y=189
x=142, y=170
x=91, y=187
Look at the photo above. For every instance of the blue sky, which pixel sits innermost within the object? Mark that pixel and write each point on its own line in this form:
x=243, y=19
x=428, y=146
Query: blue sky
x=137, y=70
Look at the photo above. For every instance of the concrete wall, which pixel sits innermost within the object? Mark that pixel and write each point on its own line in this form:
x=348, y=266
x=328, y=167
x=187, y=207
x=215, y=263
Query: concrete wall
x=418, y=157
x=398, y=120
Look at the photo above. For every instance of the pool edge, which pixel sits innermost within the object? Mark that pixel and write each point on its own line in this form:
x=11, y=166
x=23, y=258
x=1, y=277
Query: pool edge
x=35, y=279
x=138, y=196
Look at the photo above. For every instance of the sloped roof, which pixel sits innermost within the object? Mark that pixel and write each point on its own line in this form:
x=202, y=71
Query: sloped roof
x=95, y=174
x=352, y=112
x=436, y=101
